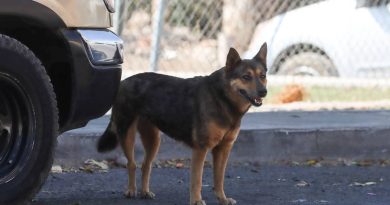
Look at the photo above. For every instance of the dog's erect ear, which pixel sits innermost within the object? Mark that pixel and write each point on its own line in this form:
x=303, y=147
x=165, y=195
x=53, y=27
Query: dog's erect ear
x=262, y=54
x=232, y=59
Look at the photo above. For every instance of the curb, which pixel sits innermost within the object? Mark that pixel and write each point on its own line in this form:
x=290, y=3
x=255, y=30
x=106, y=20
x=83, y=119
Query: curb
x=292, y=136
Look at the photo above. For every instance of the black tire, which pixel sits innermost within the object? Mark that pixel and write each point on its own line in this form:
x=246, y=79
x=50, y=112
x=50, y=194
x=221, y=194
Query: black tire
x=307, y=64
x=28, y=123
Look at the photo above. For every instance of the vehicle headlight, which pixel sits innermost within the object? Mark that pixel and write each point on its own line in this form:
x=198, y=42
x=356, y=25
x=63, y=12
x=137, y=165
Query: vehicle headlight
x=110, y=4
x=103, y=46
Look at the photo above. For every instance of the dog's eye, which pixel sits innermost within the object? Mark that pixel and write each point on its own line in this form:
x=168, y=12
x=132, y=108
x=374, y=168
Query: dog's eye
x=262, y=76
x=247, y=77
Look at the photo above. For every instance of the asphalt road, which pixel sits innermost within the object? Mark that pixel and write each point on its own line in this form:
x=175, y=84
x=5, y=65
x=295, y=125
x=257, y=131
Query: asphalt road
x=249, y=185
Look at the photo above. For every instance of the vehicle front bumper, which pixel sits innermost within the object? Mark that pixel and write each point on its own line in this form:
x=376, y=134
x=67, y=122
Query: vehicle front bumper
x=96, y=72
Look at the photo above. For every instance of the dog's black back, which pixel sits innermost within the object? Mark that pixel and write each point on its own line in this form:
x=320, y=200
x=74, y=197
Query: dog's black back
x=164, y=100
x=199, y=111
x=174, y=105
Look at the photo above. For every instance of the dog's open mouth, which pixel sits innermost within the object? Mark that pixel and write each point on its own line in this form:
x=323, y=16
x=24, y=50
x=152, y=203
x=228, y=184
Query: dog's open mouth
x=256, y=101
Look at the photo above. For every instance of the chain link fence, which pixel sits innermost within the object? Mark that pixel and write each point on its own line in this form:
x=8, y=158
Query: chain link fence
x=323, y=54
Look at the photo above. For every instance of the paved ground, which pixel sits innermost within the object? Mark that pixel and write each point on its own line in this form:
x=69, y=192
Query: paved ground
x=249, y=185
x=264, y=137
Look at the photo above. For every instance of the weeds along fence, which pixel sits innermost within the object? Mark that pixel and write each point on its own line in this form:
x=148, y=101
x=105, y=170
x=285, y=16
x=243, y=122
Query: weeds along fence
x=322, y=54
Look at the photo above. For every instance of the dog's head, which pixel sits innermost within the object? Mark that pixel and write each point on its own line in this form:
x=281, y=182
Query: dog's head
x=247, y=78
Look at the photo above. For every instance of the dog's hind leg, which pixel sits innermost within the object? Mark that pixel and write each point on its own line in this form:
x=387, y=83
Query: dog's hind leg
x=150, y=136
x=127, y=143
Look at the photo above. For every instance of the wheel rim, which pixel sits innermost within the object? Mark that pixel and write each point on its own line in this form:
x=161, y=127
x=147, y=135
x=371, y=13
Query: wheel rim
x=17, y=128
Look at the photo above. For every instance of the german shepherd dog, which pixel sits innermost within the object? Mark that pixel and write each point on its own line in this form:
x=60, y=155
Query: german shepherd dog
x=203, y=112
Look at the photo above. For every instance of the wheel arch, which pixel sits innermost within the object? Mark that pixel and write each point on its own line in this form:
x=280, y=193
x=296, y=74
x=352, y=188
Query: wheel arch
x=293, y=50
x=37, y=27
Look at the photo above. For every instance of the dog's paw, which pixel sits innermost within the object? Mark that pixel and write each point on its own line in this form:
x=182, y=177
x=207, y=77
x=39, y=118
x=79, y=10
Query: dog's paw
x=227, y=201
x=131, y=194
x=201, y=202
x=147, y=195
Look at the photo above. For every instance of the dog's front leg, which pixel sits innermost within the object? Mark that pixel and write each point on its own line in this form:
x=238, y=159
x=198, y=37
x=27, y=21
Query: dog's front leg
x=220, y=158
x=198, y=158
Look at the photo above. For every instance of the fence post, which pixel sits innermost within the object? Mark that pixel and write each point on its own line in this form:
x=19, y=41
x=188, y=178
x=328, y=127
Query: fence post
x=116, y=16
x=158, y=21
x=121, y=15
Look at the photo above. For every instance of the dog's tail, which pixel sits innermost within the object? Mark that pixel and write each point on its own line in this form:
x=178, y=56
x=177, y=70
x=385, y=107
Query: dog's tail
x=108, y=141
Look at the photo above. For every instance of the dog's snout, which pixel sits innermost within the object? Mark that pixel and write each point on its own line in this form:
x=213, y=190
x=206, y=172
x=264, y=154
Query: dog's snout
x=262, y=93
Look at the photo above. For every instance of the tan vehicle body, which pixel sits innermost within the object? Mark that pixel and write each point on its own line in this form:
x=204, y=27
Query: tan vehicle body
x=60, y=67
x=80, y=13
